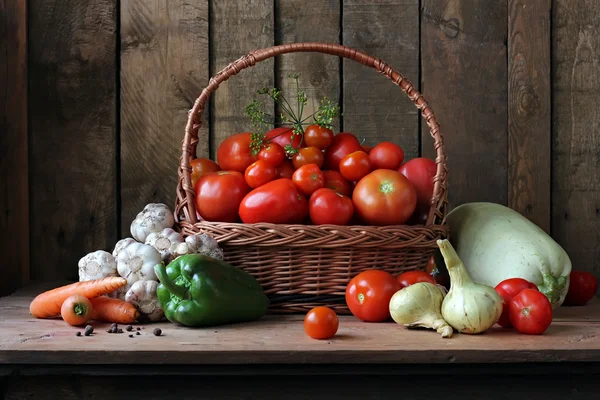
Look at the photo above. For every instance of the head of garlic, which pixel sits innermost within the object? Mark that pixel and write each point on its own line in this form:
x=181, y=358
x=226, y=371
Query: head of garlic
x=469, y=307
x=153, y=218
x=419, y=306
x=96, y=265
x=136, y=263
x=121, y=244
x=164, y=241
x=204, y=244
x=142, y=294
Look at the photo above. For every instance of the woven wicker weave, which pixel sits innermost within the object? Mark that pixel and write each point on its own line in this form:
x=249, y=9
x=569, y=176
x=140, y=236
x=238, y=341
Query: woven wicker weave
x=302, y=266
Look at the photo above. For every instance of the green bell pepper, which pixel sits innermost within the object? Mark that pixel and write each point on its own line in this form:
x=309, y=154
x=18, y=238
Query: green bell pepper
x=197, y=290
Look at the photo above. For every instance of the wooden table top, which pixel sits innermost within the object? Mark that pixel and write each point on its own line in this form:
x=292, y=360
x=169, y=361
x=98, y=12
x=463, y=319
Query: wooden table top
x=574, y=336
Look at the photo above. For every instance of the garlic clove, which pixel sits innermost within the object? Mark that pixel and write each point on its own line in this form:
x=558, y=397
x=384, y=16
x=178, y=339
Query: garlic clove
x=163, y=241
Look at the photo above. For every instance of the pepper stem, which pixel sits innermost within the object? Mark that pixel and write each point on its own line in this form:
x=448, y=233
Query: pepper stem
x=179, y=291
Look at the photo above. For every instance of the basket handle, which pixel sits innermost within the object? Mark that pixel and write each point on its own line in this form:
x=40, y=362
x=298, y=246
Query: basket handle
x=185, y=191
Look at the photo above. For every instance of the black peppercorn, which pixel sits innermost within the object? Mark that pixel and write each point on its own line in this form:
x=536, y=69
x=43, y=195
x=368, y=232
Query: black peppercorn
x=156, y=331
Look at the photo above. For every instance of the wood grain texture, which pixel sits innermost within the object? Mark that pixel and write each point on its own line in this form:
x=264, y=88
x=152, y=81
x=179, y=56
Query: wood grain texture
x=375, y=109
x=236, y=28
x=72, y=119
x=319, y=73
x=164, y=67
x=529, y=110
x=464, y=75
x=14, y=162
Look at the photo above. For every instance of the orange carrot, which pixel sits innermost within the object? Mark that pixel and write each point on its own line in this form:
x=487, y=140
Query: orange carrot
x=108, y=309
x=76, y=310
x=48, y=304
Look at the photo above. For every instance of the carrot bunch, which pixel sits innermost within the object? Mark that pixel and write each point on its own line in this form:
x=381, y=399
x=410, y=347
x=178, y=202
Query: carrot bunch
x=79, y=302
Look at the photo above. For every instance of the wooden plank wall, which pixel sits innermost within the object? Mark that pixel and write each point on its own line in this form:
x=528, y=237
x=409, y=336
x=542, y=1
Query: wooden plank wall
x=96, y=101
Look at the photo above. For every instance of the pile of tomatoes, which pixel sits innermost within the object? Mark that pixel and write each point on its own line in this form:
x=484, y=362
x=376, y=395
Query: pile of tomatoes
x=328, y=179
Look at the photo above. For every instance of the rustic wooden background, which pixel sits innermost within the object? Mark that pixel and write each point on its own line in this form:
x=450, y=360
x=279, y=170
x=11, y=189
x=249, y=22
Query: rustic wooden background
x=96, y=92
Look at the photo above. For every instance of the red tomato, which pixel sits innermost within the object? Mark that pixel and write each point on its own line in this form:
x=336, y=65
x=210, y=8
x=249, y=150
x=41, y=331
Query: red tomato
x=420, y=172
x=277, y=202
x=355, y=166
x=530, y=312
x=283, y=136
x=321, y=323
x=582, y=288
x=308, y=178
x=384, y=197
x=326, y=206
x=335, y=181
x=234, y=153
x=368, y=295
x=411, y=277
x=285, y=169
x=272, y=153
x=318, y=136
x=386, y=155
x=419, y=217
x=200, y=166
x=441, y=277
x=259, y=173
x=343, y=144
x=308, y=155
x=366, y=148
x=508, y=289
x=219, y=194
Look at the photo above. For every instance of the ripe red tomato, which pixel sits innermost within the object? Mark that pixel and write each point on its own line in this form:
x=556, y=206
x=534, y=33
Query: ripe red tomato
x=384, y=197
x=326, y=206
x=582, y=288
x=386, y=155
x=285, y=169
x=355, y=166
x=411, y=277
x=321, y=323
x=318, y=136
x=530, y=312
x=219, y=194
x=368, y=295
x=366, y=148
x=259, y=173
x=420, y=172
x=272, y=153
x=335, y=181
x=283, y=136
x=277, y=202
x=308, y=155
x=200, y=166
x=234, y=153
x=308, y=178
x=343, y=144
x=508, y=289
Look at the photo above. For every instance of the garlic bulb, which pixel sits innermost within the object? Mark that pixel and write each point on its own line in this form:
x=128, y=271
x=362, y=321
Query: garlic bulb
x=136, y=263
x=178, y=249
x=142, y=294
x=469, y=307
x=153, y=218
x=419, y=305
x=204, y=244
x=97, y=265
x=121, y=244
x=119, y=293
x=163, y=241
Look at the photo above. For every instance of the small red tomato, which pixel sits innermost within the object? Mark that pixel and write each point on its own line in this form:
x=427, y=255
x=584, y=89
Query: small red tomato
x=508, y=289
x=321, y=323
x=386, y=155
x=259, y=173
x=308, y=155
x=530, y=312
x=276, y=202
x=308, y=178
x=272, y=153
x=420, y=172
x=318, y=136
x=283, y=136
x=368, y=295
x=285, y=169
x=234, y=153
x=411, y=277
x=326, y=206
x=366, y=148
x=200, y=166
x=219, y=194
x=582, y=288
x=355, y=166
x=335, y=181
x=343, y=144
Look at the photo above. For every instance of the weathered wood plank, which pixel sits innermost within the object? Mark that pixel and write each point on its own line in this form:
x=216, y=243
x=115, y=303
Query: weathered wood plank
x=529, y=110
x=375, y=109
x=236, y=28
x=319, y=73
x=464, y=75
x=72, y=119
x=164, y=66
x=576, y=131
x=14, y=163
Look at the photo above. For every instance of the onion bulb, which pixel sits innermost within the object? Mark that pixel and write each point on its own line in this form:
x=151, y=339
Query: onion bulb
x=418, y=306
x=469, y=307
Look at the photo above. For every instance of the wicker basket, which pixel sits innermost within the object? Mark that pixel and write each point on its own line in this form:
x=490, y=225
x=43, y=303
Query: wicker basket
x=302, y=266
